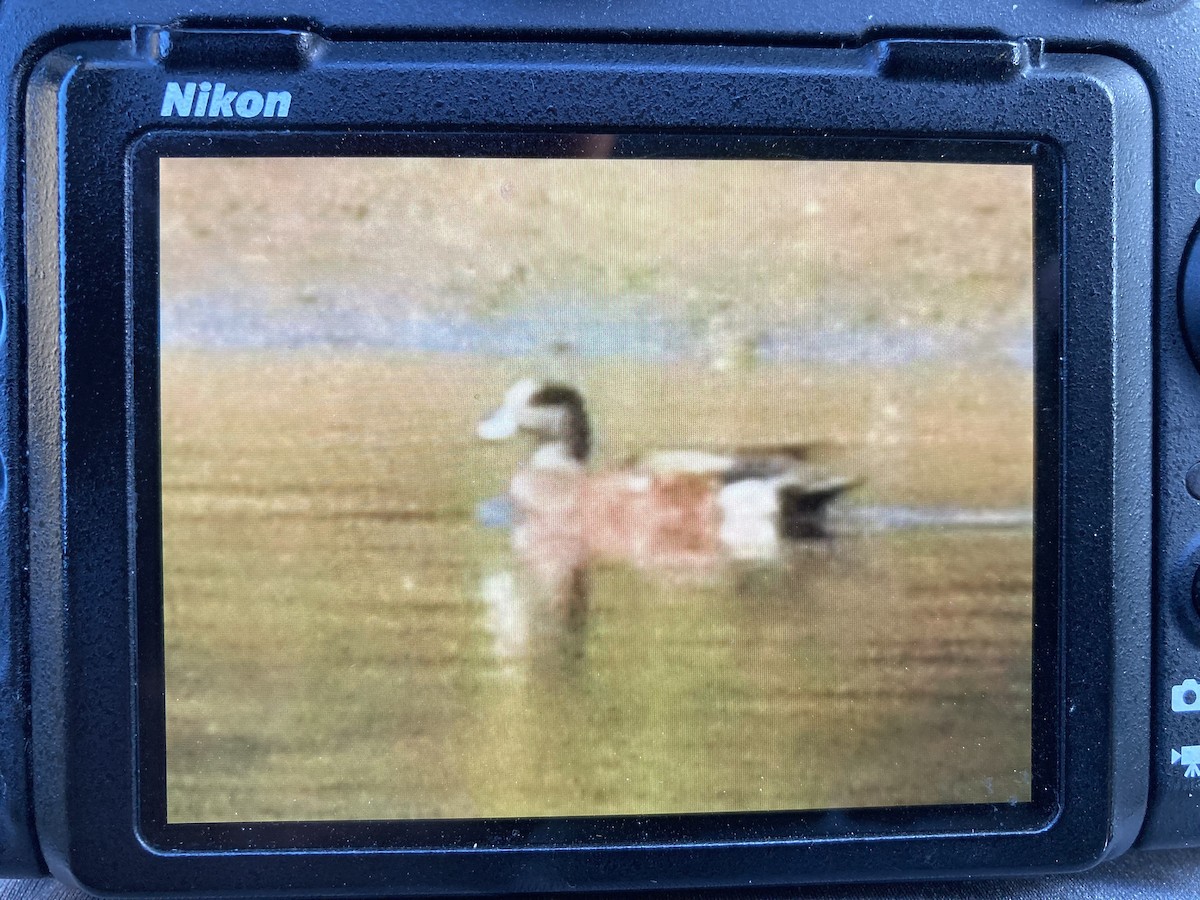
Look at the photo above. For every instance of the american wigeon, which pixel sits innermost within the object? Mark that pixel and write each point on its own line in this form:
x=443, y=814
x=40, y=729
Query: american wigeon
x=668, y=509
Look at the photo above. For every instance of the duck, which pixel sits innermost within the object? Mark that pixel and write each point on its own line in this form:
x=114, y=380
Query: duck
x=671, y=509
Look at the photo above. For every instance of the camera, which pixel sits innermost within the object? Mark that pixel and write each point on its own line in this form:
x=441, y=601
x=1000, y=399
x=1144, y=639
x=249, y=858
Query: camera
x=502, y=448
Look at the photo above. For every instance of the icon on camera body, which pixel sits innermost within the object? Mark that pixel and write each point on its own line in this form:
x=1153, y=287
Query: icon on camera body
x=1190, y=757
x=1186, y=697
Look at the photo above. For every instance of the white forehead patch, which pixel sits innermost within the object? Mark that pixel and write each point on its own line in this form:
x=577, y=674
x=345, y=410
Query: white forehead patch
x=511, y=415
x=518, y=396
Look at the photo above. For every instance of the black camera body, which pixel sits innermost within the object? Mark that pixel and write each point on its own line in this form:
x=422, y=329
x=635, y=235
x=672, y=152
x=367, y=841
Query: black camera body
x=1100, y=100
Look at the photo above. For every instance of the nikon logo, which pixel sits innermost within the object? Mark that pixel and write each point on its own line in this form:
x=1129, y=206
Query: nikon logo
x=205, y=100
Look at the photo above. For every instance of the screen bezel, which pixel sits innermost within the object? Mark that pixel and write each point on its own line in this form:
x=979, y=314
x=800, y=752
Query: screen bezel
x=89, y=104
x=1045, y=169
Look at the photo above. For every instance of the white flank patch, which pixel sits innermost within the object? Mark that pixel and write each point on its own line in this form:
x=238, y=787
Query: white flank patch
x=750, y=518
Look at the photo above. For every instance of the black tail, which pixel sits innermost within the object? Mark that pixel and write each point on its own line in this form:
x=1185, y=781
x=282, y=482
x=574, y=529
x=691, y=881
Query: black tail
x=803, y=509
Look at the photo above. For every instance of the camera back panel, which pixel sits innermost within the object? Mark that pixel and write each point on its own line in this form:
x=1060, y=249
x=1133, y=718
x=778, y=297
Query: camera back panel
x=1112, y=708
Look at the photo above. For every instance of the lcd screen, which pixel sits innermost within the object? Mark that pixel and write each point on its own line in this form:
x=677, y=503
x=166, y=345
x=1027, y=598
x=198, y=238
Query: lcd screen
x=582, y=487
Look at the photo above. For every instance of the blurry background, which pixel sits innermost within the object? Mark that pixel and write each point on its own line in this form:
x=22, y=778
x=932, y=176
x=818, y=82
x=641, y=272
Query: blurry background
x=817, y=259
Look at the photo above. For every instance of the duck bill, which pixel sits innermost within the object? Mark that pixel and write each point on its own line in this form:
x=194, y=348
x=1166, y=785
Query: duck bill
x=500, y=425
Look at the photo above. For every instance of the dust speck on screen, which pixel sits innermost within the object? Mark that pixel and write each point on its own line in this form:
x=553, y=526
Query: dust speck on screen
x=583, y=487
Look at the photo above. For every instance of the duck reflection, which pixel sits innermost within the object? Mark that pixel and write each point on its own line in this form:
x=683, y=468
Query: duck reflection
x=529, y=619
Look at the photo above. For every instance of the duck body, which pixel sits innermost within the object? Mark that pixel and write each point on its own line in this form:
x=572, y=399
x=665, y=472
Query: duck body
x=669, y=510
x=585, y=517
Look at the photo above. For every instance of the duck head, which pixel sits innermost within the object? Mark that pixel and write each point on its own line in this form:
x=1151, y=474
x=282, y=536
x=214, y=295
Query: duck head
x=552, y=413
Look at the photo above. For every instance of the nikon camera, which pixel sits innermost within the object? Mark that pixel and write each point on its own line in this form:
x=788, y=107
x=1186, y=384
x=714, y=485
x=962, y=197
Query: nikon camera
x=496, y=447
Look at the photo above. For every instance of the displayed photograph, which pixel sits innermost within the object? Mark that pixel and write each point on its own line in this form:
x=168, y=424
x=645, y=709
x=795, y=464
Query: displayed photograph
x=513, y=487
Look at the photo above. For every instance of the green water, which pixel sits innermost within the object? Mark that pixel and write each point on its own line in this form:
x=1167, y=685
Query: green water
x=412, y=671
x=345, y=641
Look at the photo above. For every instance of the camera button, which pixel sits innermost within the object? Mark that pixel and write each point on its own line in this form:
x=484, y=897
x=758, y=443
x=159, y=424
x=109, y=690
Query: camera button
x=1192, y=480
x=1189, y=295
